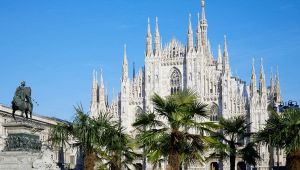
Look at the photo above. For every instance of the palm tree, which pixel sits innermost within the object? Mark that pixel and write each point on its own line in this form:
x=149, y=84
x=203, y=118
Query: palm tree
x=167, y=134
x=282, y=130
x=99, y=138
x=116, y=147
x=87, y=131
x=232, y=136
x=59, y=135
x=84, y=130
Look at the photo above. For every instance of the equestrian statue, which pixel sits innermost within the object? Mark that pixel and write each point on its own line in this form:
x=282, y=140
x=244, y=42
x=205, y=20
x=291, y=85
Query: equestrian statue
x=22, y=101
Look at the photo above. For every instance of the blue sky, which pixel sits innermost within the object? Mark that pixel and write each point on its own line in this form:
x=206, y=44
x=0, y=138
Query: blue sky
x=54, y=45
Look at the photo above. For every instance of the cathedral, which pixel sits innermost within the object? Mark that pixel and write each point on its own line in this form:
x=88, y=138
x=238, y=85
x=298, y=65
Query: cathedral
x=175, y=66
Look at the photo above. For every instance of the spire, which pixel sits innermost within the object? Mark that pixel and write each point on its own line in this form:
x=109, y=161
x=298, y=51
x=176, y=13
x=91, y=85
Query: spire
x=203, y=24
x=190, y=35
x=190, y=31
x=262, y=81
x=262, y=72
x=198, y=34
x=148, y=28
x=277, y=92
x=225, y=56
x=156, y=27
x=106, y=98
x=225, y=47
x=133, y=70
x=219, y=55
x=203, y=10
x=277, y=77
x=198, y=23
x=271, y=83
x=125, y=66
x=148, y=40
x=101, y=79
x=124, y=55
x=94, y=88
x=253, y=81
x=102, y=105
x=156, y=38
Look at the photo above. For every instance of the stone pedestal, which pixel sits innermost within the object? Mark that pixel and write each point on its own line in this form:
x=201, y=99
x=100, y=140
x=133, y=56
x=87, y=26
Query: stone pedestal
x=22, y=136
x=23, y=149
x=22, y=127
x=17, y=160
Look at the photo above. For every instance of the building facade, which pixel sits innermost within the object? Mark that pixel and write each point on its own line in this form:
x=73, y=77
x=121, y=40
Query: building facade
x=42, y=125
x=177, y=66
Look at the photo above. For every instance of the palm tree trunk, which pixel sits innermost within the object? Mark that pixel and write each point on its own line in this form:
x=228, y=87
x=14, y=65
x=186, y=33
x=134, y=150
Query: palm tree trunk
x=232, y=162
x=116, y=163
x=89, y=161
x=173, y=161
x=61, y=158
x=271, y=157
x=293, y=161
x=232, y=156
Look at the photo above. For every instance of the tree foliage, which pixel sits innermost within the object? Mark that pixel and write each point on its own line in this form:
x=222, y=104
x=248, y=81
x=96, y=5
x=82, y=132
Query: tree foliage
x=282, y=130
x=232, y=141
x=100, y=138
x=176, y=131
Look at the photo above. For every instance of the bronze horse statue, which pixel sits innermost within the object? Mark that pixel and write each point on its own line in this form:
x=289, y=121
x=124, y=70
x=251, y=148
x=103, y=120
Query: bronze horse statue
x=22, y=101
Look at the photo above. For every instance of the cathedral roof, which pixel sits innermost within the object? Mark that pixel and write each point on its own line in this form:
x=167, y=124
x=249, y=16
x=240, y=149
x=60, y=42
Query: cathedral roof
x=173, y=49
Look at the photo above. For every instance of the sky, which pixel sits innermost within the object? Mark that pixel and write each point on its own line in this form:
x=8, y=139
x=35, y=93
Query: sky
x=54, y=45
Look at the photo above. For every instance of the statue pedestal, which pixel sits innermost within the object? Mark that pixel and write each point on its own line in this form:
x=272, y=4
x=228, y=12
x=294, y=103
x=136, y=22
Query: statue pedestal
x=22, y=127
x=22, y=136
x=17, y=160
x=23, y=150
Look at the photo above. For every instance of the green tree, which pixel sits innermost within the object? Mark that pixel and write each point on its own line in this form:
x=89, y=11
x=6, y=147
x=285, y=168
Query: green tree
x=231, y=144
x=99, y=138
x=117, y=148
x=87, y=131
x=59, y=135
x=84, y=130
x=282, y=130
x=166, y=134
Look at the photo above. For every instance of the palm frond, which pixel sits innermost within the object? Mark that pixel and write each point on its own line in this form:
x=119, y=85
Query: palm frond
x=167, y=129
x=147, y=120
x=60, y=134
x=250, y=154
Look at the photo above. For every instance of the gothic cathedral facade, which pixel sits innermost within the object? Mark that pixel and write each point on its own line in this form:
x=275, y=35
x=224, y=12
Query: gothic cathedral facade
x=176, y=66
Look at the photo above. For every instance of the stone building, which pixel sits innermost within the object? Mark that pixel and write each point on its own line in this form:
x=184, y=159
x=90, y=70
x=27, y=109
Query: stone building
x=39, y=126
x=175, y=66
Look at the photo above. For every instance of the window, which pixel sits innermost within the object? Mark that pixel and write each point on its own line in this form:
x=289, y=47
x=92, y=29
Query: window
x=214, y=112
x=175, y=81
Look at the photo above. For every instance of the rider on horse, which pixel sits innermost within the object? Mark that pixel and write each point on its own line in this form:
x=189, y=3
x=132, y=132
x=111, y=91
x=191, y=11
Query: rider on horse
x=22, y=100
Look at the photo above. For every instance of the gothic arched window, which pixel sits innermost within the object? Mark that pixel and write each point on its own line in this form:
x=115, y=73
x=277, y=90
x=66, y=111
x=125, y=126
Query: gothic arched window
x=175, y=81
x=214, y=112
